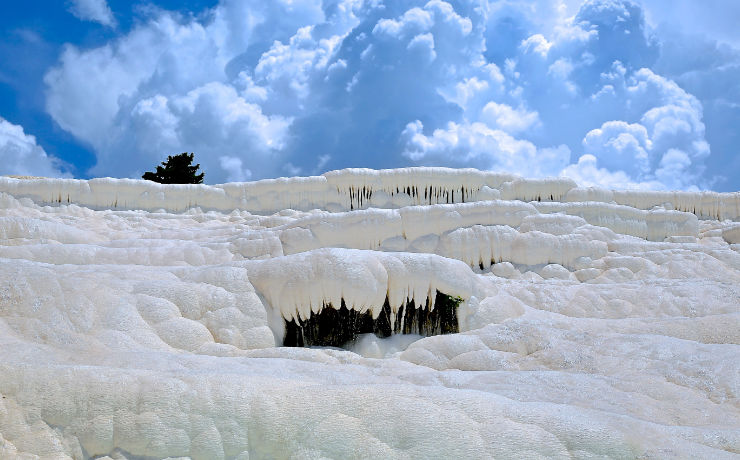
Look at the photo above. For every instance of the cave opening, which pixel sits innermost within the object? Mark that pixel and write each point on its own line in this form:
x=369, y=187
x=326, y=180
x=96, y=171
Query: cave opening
x=333, y=327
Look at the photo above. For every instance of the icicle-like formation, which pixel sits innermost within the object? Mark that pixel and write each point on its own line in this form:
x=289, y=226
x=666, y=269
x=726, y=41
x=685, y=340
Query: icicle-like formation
x=706, y=205
x=480, y=246
x=419, y=228
x=13, y=227
x=553, y=189
x=148, y=335
x=554, y=224
x=340, y=326
x=412, y=186
x=418, y=221
x=653, y=225
x=353, y=189
x=732, y=234
x=108, y=193
x=363, y=229
x=273, y=195
x=305, y=283
x=368, y=229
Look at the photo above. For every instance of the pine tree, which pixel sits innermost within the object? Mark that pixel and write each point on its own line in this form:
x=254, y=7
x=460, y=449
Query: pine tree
x=176, y=170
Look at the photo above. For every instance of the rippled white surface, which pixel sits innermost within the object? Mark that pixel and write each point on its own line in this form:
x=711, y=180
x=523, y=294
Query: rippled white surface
x=590, y=329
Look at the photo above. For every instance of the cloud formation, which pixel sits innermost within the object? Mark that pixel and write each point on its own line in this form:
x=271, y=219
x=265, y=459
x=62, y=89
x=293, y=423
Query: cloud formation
x=20, y=155
x=260, y=89
x=93, y=10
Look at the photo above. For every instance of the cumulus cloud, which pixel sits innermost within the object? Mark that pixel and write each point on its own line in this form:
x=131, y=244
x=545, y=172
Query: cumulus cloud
x=236, y=172
x=619, y=144
x=93, y=10
x=714, y=19
x=508, y=119
x=480, y=146
x=20, y=154
x=647, y=149
x=259, y=89
x=213, y=120
x=586, y=172
x=166, y=87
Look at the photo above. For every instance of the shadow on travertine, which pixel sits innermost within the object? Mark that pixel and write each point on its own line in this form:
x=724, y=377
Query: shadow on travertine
x=332, y=327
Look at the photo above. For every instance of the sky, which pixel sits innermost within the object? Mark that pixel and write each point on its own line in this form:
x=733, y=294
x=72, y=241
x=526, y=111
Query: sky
x=612, y=93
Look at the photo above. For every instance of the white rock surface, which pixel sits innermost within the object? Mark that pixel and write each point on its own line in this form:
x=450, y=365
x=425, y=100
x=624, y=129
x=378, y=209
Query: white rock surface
x=144, y=321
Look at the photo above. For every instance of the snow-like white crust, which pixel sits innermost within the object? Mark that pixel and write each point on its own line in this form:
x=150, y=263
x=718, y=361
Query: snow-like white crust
x=303, y=283
x=144, y=321
x=350, y=189
x=655, y=225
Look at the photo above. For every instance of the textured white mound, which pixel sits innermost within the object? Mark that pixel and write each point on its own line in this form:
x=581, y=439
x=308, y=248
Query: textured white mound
x=144, y=321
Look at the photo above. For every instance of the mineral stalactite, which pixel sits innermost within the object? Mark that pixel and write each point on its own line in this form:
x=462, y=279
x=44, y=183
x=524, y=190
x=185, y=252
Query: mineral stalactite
x=428, y=313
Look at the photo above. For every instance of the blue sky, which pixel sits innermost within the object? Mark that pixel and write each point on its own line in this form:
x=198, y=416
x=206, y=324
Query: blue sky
x=614, y=93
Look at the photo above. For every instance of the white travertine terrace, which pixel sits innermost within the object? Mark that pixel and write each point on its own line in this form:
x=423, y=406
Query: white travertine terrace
x=350, y=189
x=304, y=283
x=139, y=320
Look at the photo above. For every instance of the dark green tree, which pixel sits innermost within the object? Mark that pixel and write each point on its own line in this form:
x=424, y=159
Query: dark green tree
x=177, y=169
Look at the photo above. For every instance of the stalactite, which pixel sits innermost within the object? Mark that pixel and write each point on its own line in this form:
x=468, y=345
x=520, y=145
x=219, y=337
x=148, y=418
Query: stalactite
x=333, y=327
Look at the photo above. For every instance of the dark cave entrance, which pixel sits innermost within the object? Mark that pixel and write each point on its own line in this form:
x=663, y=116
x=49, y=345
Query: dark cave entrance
x=333, y=327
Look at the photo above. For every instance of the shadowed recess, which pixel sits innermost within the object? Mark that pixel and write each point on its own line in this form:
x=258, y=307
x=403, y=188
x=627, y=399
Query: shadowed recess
x=333, y=327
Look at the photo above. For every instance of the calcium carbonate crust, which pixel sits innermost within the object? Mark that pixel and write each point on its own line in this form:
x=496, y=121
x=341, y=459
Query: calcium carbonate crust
x=140, y=320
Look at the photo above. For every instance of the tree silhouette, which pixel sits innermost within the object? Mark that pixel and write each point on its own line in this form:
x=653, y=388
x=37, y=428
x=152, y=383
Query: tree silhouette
x=176, y=170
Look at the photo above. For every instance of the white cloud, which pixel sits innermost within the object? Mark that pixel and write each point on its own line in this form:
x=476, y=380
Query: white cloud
x=671, y=175
x=424, y=45
x=230, y=136
x=235, y=171
x=561, y=68
x=587, y=173
x=265, y=88
x=288, y=69
x=20, y=154
x=413, y=21
x=675, y=126
x=620, y=145
x=173, y=85
x=716, y=19
x=675, y=167
x=664, y=149
x=536, y=43
x=511, y=120
x=482, y=147
x=93, y=10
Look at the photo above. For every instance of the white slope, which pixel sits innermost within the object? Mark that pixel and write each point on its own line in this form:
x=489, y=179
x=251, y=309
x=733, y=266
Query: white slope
x=143, y=321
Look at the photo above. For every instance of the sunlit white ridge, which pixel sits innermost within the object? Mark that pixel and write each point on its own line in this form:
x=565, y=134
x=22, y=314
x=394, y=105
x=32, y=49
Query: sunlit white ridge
x=307, y=282
x=354, y=189
x=140, y=320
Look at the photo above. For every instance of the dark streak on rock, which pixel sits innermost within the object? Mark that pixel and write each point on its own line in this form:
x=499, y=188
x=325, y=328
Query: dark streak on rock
x=333, y=327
